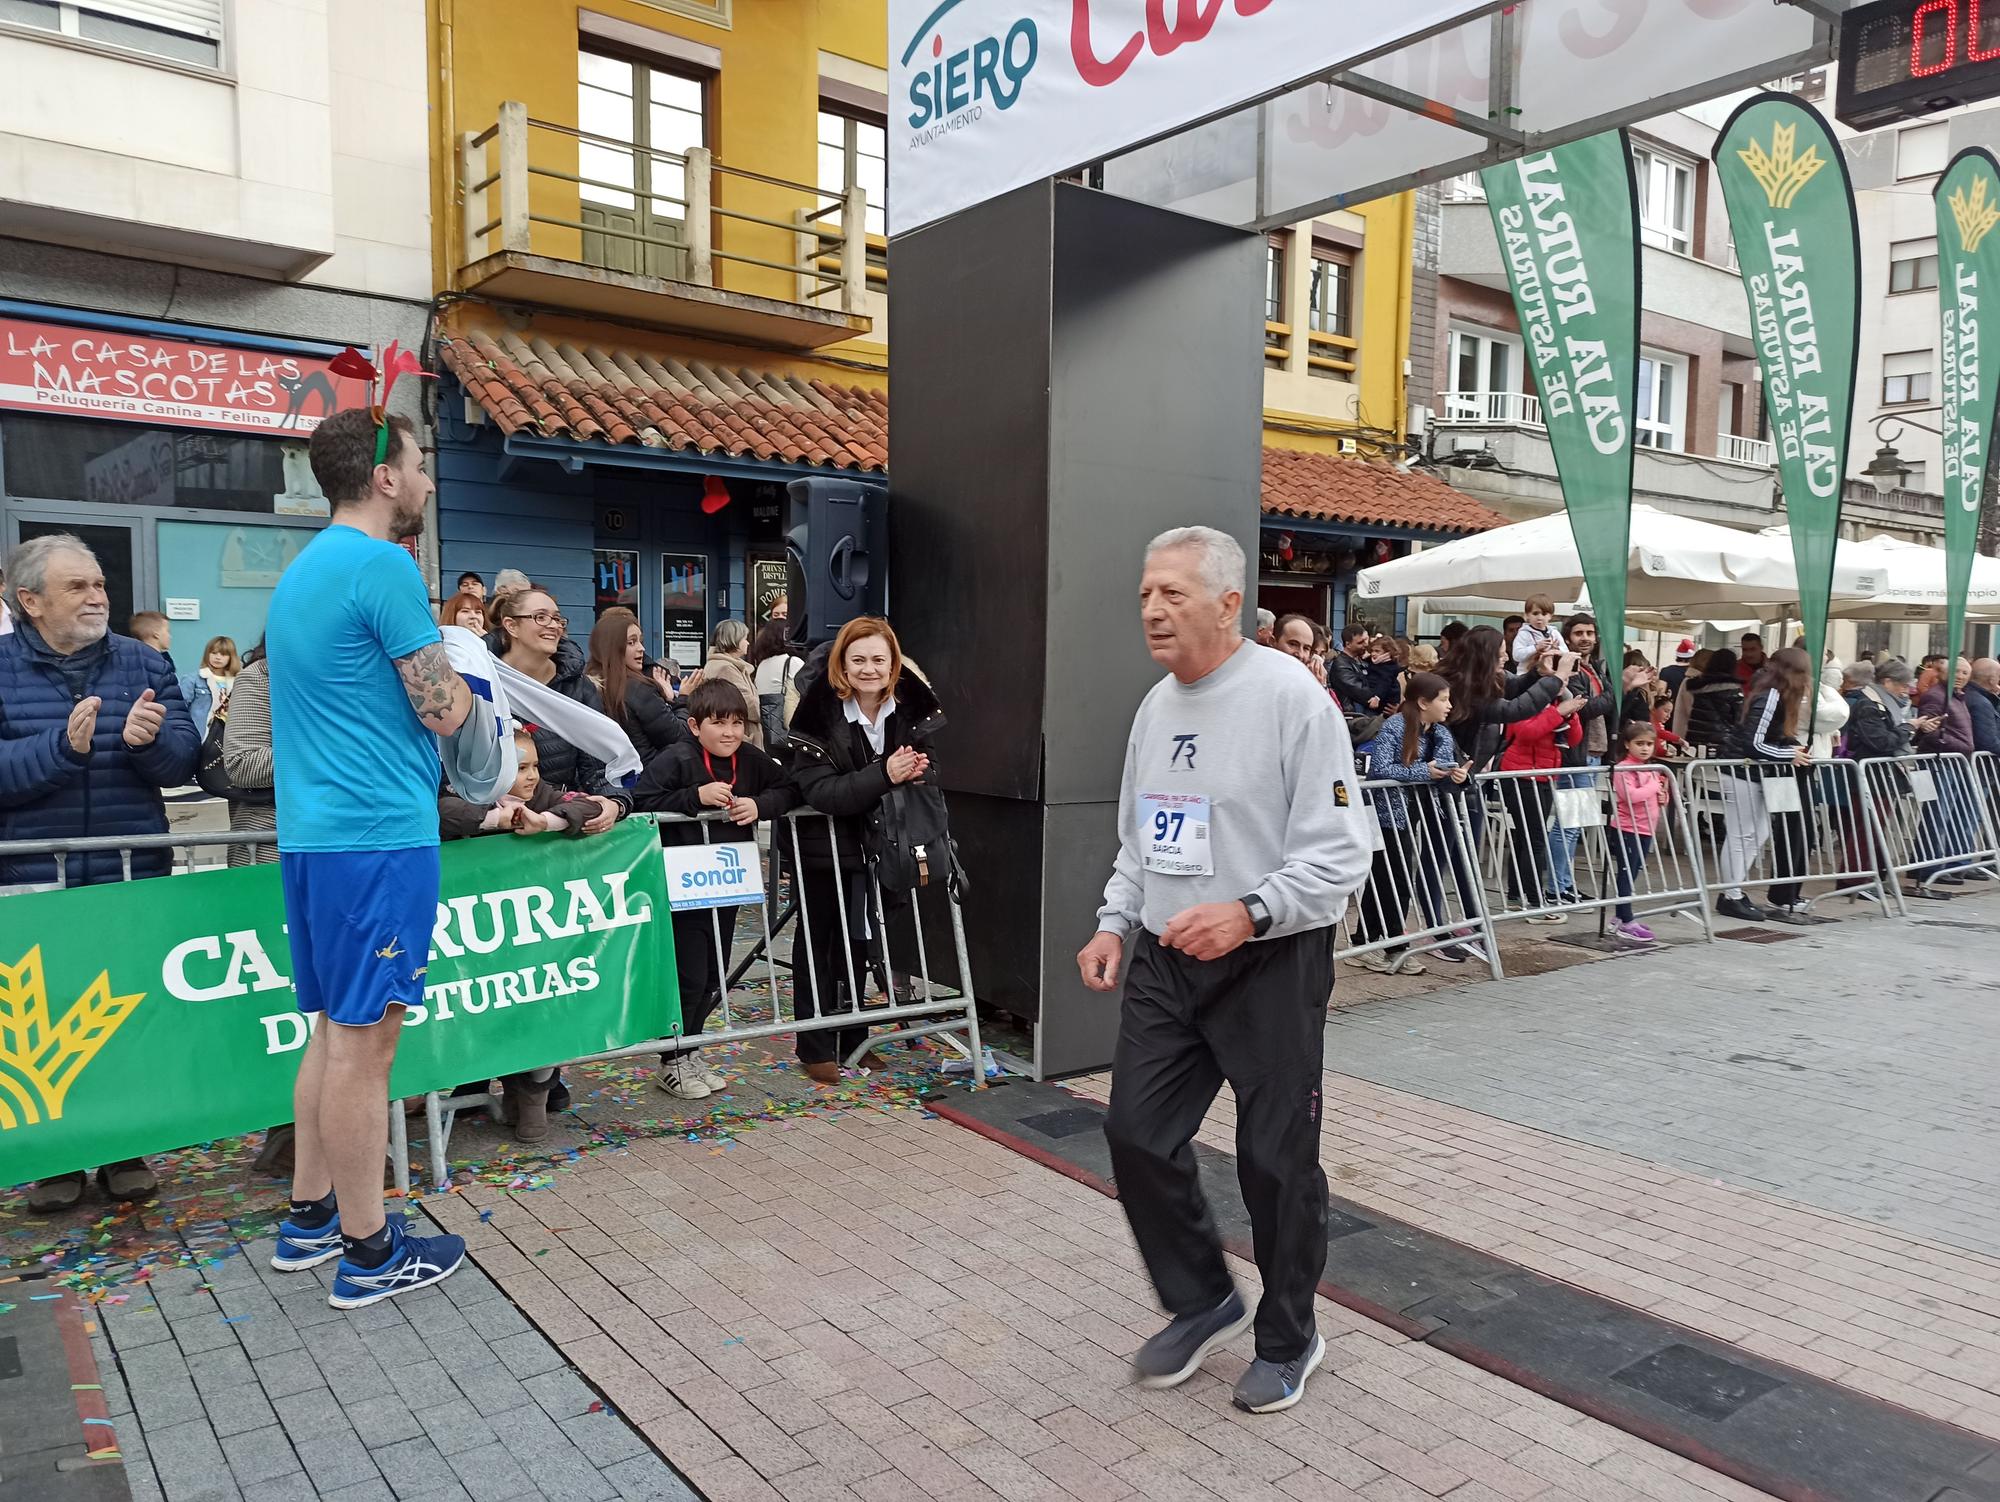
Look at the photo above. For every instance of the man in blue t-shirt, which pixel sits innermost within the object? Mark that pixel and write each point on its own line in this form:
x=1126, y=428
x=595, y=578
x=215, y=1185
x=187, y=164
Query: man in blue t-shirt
x=360, y=685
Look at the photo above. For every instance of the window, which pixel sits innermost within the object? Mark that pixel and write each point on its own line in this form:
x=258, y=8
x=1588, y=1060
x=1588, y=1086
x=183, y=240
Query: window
x=181, y=31
x=1906, y=378
x=1913, y=265
x=122, y=463
x=1660, y=421
x=1484, y=366
x=1916, y=477
x=639, y=121
x=1666, y=200
x=1331, y=307
x=854, y=153
x=1275, y=261
x=1922, y=150
x=1465, y=188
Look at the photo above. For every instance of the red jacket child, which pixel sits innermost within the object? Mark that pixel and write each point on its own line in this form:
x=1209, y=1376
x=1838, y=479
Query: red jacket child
x=1531, y=745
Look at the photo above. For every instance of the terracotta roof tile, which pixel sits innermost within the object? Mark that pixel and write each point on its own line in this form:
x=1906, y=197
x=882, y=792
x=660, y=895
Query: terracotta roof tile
x=616, y=396
x=601, y=395
x=1334, y=487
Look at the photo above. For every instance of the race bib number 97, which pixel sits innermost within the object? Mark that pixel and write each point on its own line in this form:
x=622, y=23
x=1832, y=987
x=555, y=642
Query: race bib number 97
x=1174, y=827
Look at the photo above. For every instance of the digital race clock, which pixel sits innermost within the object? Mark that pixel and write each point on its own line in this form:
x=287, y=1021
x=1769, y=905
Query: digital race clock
x=1905, y=58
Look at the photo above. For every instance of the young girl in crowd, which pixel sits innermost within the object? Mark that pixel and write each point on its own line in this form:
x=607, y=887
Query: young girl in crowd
x=1641, y=793
x=1413, y=746
x=531, y=806
x=207, y=688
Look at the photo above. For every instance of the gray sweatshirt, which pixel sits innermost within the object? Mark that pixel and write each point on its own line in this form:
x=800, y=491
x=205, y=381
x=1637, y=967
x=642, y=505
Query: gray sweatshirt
x=1241, y=782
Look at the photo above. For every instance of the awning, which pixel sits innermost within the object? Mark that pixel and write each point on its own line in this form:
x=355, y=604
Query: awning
x=632, y=399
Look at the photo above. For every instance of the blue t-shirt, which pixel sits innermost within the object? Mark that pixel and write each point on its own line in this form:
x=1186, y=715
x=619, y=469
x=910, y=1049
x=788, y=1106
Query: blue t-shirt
x=356, y=770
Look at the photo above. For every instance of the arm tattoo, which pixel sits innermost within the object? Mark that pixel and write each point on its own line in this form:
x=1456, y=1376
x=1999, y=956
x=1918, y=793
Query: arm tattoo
x=431, y=682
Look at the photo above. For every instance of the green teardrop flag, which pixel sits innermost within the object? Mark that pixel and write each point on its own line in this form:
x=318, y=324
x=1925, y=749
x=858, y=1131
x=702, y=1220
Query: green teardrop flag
x=1968, y=211
x=1566, y=223
x=1792, y=210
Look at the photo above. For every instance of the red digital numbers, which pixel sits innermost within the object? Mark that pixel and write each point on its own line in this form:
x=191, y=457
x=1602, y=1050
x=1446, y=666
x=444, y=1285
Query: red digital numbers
x=1924, y=26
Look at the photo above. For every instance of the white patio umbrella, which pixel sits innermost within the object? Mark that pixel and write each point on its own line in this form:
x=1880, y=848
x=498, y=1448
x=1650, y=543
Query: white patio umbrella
x=1674, y=564
x=1913, y=580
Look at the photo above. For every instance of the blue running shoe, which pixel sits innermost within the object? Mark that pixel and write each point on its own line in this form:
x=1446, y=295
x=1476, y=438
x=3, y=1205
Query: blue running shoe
x=299, y=1249
x=414, y=1262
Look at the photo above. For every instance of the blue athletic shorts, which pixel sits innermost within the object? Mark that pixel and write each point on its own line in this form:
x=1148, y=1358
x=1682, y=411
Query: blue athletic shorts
x=360, y=926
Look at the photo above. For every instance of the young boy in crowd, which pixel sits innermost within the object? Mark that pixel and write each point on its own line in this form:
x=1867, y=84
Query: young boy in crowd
x=530, y=806
x=716, y=772
x=1536, y=635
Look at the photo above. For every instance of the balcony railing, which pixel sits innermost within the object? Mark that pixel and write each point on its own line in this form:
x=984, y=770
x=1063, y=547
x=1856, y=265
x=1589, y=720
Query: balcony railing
x=1737, y=450
x=655, y=212
x=1513, y=408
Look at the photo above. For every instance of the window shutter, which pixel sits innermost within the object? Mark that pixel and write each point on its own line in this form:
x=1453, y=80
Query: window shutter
x=200, y=18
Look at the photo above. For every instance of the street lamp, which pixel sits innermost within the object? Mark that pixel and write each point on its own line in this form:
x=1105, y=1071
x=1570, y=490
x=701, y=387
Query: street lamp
x=1887, y=471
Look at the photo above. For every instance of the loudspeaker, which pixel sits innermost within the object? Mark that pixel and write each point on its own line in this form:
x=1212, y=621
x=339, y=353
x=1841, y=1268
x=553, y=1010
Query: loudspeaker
x=837, y=549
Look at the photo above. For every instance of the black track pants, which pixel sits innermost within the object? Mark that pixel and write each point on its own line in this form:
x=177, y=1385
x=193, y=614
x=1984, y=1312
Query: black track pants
x=1256, y=1018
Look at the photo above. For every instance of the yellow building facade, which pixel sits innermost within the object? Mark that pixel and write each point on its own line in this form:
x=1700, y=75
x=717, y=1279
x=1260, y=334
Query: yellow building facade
x=658, y=226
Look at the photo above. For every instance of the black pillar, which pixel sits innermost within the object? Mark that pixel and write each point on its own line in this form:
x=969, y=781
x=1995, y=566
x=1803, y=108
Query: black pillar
x=1070, y=374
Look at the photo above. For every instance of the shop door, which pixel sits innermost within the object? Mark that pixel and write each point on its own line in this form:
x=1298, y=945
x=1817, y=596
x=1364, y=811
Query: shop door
x=115, y=544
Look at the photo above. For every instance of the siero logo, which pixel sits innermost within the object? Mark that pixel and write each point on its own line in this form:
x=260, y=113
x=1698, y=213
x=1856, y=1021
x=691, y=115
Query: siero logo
x=954, y=91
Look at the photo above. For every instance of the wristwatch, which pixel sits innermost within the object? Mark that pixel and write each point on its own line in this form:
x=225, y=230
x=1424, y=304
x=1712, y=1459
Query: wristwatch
x=1260, y=915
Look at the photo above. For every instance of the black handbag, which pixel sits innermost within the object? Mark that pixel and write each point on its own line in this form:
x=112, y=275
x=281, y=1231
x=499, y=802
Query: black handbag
x=212, y=774
x=909, y=844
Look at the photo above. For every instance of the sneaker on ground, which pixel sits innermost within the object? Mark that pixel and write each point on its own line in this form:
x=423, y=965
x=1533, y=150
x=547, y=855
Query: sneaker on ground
x=299, y=1249
x=1374, y=960
x=1638, y=933
x=1548, y=918
x=1802, y=914
x=1272, y=1386
x=682, y=1079
x=1409, y=964
x=1451, y=952
x=1742, y=908
x=414, y=1262
x=1177, y=1352
x=710, y=1075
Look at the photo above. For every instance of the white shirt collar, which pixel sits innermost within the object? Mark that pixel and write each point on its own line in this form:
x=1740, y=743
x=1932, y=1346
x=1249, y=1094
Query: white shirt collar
x=872, y=731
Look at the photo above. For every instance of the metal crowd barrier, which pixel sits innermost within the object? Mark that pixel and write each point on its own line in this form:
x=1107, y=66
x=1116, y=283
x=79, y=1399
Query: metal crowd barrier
x=861, y=938
x=843, y=950
x=1798, y=835
x=1539, y=824
x=1426, y=866
x=1933, y=821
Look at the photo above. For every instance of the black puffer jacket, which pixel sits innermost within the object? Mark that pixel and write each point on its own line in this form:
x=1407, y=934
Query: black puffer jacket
x=564, y=767
x=649, y=724
x=1715, y=713
x=1479, y=735
x=1873, y=729
x=834, y=768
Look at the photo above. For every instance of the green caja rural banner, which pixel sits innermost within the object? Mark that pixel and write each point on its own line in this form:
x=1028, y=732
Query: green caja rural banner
x=1968, y=209
x=147, y=1015
x=1792, y=210
x=1565, y=222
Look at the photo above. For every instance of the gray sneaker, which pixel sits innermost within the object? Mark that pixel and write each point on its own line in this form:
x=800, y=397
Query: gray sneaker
x=1271, y=1386
x=1177, y=1352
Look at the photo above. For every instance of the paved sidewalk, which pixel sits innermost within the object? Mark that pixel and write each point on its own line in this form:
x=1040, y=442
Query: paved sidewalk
x=240, y=1382
x=1844, y=1069
x=888, y=1307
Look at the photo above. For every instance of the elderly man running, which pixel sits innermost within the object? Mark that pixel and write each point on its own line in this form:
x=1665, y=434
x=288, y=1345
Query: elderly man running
x=1241, y=837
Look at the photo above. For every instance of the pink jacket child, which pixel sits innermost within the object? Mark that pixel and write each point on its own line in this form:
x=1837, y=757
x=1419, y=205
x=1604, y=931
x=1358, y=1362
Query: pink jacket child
x=1641, y=793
